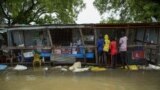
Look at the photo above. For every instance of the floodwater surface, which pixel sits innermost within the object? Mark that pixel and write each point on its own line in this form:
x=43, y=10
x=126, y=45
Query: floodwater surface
x=58, y=80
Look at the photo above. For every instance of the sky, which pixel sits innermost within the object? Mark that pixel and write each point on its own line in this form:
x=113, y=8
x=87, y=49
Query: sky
x=89, y=14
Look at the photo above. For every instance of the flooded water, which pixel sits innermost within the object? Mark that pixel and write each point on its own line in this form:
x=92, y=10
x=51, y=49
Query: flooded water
x=58, y=80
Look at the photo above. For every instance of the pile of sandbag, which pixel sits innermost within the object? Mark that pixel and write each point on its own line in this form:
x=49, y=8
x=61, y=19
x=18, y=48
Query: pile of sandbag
x=150, y=67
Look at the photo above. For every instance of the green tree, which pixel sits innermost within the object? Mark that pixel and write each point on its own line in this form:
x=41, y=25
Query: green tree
x=129, y=10
x=40, y=11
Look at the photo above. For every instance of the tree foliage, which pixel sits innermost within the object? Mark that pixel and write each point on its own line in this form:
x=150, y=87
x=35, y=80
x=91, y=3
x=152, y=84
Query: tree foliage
x=130, y=10
x=39, y=11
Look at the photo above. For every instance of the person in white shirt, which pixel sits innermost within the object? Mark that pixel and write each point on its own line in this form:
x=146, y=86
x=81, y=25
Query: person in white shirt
x=123, y=49
x=123, y=44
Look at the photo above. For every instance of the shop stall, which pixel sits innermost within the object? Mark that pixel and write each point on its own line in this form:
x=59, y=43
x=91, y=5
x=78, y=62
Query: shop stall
x=68, y=43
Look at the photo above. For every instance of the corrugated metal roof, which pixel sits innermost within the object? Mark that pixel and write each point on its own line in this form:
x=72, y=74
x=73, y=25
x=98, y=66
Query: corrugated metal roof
x=45, y=27
x=3, y=30
x=72, y=26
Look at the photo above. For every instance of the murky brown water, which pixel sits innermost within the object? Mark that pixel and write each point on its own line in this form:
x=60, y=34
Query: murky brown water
x=57, y=80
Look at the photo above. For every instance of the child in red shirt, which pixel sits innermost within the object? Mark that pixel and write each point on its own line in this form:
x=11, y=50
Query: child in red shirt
x=113, y=52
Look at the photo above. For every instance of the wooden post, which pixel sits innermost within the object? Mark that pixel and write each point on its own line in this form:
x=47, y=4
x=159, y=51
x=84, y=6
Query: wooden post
x=158, y=47
x=135, y=42
x=8, y=38
x=127, y=31
x=9, y=44
x=145, y=31
x=96, y=53
x=51, y=43
x=22, y=51
x=24, y=41
x=50, y=38
x=82, y=38
x=145, y=48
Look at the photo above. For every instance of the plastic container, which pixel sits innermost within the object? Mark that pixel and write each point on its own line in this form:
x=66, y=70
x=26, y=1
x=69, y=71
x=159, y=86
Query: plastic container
x=28, y=54
x=90, y=55
x=45, y=54
x=79, y=55
x=28, y=57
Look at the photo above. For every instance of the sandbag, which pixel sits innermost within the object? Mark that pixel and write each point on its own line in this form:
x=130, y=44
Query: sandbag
x=20, y=67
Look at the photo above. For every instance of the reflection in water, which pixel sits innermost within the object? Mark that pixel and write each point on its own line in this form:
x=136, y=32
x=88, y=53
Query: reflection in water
x=57, y=80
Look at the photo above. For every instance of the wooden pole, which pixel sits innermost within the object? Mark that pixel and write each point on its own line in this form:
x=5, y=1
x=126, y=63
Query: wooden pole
x=96, y=52
x=158, y=46
x=51, y=43
x=50, y=38
x=24, y=39
x=145, y=31
x=82, y=38
x=127, y=31
x=9, y=38
x=145, y=49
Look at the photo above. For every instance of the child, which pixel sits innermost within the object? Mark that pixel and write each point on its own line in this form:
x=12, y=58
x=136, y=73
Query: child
x=106, y=48
x=113, y=52
x=123, y=49
x=100, y=43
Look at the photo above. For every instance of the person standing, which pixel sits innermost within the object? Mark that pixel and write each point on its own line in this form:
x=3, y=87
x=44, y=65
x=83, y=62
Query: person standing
x=100, y=44
x=123, y=49
x=106, y=48
x=113, y=52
